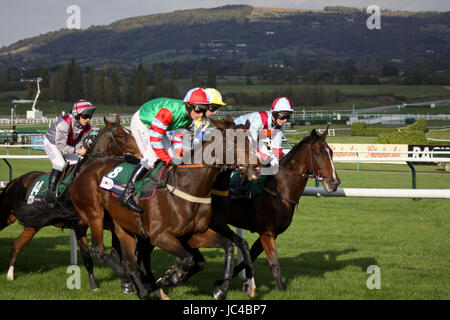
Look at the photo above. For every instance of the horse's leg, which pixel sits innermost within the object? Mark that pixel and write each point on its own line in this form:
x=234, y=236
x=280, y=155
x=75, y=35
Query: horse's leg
x=144, y=251
x=98, y=249
x=128, y=249
x=25, y=237
x=211, y=239
x=126, y=285
x=247, y=263
x=167, y=242
x=255, y=251
x=268, y=243
x=6, y=218
x=80, y=233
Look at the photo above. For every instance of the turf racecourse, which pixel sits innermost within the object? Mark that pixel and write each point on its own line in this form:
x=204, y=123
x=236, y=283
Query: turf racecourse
x=324, y=254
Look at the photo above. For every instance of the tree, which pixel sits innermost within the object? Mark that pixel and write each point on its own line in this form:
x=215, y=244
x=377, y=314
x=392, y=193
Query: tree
x=60, y=85
x=140, y=86
x=89, y=88
x=74, y=81
x=158, y=91
x=101, y=87
x=211, y=82
x=115, y=86
x=390, y=71
x=125, y=98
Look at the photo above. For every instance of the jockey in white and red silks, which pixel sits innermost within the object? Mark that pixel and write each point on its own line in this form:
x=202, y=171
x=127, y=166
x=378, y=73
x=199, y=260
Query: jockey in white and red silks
x=267, y=128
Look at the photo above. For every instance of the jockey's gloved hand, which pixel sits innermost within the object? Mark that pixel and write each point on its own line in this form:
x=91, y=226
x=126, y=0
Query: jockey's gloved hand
x=172, y=163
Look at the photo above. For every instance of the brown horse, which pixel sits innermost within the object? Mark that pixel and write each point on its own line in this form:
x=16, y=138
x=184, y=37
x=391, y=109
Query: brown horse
x=271, y=212
x=114, y=139
x=181, y=211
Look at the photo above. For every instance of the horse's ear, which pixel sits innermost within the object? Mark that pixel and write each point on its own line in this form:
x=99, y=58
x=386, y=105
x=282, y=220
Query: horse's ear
x=313, y=133
x=325, y=133
x=247, y=124
x=117, y=119
x=107, y=123
x=219, y=124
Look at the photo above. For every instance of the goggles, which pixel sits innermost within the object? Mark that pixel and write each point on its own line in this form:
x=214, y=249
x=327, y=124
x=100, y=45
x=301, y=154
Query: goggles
x=284, y=116
x=213, y=107
x=197, y=109
x=86, y=116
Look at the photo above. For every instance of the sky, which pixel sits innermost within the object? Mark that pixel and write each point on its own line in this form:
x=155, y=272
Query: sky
x=20, y=19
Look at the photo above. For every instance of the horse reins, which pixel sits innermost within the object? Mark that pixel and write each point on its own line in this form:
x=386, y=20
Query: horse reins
x=303, y=175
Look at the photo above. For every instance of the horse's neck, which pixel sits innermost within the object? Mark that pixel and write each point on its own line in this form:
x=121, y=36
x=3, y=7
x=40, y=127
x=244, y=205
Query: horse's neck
x=197, y=182
x=291, y=178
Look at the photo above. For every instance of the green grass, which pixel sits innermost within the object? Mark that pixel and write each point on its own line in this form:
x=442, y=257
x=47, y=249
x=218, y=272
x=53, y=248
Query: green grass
x=324, y=254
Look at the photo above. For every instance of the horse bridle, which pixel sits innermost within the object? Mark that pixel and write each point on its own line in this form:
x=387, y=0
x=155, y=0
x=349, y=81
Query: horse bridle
x=312, y=175
x=115, y=144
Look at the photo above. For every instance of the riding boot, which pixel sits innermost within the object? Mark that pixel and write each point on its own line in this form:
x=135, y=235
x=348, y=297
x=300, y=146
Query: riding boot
x=52, y=182
x=127, y=197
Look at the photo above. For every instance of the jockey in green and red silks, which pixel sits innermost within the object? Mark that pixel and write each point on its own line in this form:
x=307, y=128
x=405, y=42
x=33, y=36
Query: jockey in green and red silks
x=149, y=126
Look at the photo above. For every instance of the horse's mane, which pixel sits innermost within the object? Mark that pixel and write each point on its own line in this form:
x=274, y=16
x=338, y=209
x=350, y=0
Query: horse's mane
x=288, y=157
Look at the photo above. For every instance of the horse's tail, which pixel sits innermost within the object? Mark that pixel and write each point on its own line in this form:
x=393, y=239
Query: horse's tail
x=41, y=215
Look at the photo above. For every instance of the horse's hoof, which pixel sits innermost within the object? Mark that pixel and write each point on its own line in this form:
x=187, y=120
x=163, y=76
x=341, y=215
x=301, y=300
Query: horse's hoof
x=219, y=294
x=163, y=282
x=127, y=287
x=10, y=274
x=161, y=294
x=92, y=283
x=249, y=288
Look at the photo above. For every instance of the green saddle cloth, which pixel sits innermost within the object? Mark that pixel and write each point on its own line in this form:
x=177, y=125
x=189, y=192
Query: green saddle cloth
x=117, y=178
x=40, y=187
x=254, y=188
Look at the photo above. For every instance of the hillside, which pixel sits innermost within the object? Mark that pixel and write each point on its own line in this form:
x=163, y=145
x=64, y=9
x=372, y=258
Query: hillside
x=242, y=33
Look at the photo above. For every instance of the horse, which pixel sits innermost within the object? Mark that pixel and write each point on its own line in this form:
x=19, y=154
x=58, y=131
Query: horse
x=181, y=210
x=270, y=213
x=113, y=139
x=219, y=225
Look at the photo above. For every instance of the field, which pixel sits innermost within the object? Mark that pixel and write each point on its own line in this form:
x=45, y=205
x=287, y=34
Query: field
x=324, y=254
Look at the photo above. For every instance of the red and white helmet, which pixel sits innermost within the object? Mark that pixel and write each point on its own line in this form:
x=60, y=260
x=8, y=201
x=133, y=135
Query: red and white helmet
x=196, y=96
x=83, y=107
x=282, y=105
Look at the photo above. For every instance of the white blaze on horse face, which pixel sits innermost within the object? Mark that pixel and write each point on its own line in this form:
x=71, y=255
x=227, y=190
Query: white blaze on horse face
x=332, y=165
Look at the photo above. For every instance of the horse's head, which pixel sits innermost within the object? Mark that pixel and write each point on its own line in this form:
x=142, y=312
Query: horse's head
x=114, y=140
x=314, y=157
x=239, y=142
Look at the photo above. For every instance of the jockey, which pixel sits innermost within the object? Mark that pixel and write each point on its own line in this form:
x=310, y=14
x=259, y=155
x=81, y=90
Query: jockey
x=274, y=122
x=149, y=125
x=64, y=141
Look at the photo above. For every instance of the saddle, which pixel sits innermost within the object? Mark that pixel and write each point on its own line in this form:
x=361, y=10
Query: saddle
x=116, y=180
x=38, y=191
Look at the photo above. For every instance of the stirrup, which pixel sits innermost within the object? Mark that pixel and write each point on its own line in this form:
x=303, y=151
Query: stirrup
x=131, y=204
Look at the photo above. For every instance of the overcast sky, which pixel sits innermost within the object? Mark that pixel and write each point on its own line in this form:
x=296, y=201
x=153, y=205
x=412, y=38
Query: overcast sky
x=20, y=19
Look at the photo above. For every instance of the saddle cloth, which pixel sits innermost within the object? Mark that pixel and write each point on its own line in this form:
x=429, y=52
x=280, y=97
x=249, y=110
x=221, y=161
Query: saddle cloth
x=39, y=190
x=116, y=180
x=241, y=188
